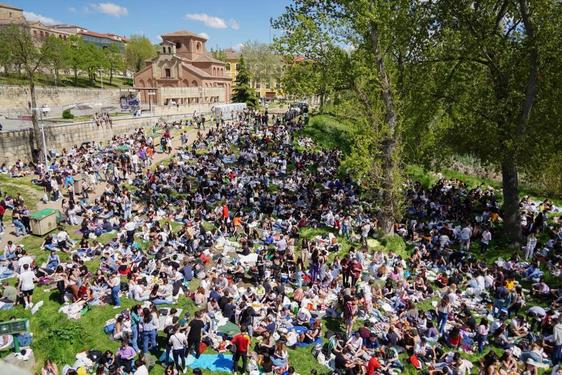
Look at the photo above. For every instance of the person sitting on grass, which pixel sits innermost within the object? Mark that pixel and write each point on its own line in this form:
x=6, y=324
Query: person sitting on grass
x=125, y=354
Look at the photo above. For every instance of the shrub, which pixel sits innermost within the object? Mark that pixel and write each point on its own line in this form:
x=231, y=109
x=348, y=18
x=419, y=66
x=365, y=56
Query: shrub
x=66, y=114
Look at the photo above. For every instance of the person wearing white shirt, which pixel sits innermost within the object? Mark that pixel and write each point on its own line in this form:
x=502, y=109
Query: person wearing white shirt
x=140, y=368
x=25, y=259
x=465, y=235
x=485, y=240
x=531, y=245
x=178, y=342
x=27, y=284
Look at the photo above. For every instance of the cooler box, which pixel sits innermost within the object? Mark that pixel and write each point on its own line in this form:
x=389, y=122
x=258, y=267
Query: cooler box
x=43, y=221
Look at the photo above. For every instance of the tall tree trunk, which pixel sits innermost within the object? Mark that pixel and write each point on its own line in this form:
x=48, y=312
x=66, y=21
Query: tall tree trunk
x=510, y=188
x=37, y=139
x=111, y=76
x=510, y=182
x=75, y=76
x=389, y=184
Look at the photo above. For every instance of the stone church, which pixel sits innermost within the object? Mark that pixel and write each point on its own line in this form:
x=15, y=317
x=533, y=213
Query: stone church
x=183, y=73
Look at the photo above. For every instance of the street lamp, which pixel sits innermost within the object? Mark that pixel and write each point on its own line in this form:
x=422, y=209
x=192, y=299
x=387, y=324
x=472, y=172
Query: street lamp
x=43, y=112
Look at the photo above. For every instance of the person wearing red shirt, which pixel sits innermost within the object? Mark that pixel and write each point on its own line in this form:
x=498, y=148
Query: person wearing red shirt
x=373, y=365
x=241, y=343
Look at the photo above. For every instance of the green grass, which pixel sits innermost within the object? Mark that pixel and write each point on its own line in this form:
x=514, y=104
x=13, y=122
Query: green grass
x=68, y=81
x=428, y=178
x=329, y=132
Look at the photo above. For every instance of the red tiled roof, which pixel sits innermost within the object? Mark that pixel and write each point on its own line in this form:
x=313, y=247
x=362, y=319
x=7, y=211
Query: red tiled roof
x=183, y=33
x=100, y=35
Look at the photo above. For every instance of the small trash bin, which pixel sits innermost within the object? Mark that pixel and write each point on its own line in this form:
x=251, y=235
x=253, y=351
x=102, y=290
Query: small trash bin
x=43, y=221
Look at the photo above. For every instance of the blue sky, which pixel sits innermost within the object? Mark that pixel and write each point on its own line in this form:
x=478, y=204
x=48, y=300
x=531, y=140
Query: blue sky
x=226, y=23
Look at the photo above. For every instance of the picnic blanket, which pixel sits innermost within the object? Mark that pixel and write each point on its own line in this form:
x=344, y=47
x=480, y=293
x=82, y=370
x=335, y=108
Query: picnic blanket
x=211, y=362
x=229, y=329
x=318, y=341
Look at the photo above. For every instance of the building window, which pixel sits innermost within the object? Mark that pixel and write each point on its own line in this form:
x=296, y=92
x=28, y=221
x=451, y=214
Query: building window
x=237, y=66
x=258, y=86
x=178, y=45
x=168, y=73
x=227, y=66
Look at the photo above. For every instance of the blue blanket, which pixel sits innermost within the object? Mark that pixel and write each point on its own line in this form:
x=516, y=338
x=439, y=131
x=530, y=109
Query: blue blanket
x=212, y=362
x=301, y=344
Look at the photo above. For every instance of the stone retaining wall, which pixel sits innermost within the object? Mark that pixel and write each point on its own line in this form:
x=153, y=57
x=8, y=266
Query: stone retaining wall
x=14, y=100
x=16, y=145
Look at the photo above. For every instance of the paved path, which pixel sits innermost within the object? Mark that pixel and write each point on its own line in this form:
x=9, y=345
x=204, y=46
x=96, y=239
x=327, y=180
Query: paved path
x=96, y=190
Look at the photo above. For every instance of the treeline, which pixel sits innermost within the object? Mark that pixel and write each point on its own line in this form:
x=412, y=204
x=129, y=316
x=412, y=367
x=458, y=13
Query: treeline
x=424, y=80
x=72, y=55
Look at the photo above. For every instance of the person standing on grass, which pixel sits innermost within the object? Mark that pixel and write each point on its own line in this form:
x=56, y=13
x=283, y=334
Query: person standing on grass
x=115, y=285
x=241, y=343
x=485, y=240
x=466, y=233
x=178, y=342
x=26, y=285
x=149, y=327
x=443, y=313
x=531, y=245
x=135, y=326
x=557, y=338
x=194, y=335
x=482, y=334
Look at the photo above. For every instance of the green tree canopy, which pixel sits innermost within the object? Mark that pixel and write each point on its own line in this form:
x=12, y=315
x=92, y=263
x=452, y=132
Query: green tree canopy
x=243, y=91
x=114, y=60
x=502, y=92
x=138, y=50
x=31, y=58
x=262, y=62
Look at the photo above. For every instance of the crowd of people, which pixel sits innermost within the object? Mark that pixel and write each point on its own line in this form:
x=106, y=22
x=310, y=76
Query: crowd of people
x=103, y=119
x=225, y=223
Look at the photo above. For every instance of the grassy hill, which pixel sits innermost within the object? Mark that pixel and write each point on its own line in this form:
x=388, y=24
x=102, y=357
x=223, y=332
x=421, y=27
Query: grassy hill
x=68, y=81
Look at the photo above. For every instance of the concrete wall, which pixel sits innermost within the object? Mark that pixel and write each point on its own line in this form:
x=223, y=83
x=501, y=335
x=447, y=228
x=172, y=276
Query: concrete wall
x=16, y=145
x=14, y=100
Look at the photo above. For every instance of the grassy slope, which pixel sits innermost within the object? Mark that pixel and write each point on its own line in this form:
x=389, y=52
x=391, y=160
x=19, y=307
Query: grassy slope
x=59, y=338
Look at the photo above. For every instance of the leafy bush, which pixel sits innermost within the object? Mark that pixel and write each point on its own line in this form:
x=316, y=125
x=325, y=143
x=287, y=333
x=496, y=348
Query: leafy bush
x=66, y=114
x=60, y=343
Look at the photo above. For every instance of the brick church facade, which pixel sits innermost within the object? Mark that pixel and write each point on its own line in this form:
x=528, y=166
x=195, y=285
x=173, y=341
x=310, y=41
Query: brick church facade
x=183, y=73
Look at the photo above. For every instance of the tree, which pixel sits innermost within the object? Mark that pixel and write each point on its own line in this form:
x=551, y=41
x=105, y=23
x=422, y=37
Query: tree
x=93, y=61
x=305, y=38
x=264, y=65
x=243, y=91
x=138, y=50
x=114, y=60
x=301, y=79
x=55, y=55
x=6, y=55
x=373, y=31
x=503, y=93
x=31, y=58
x=74, y=55
x=219, y=54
